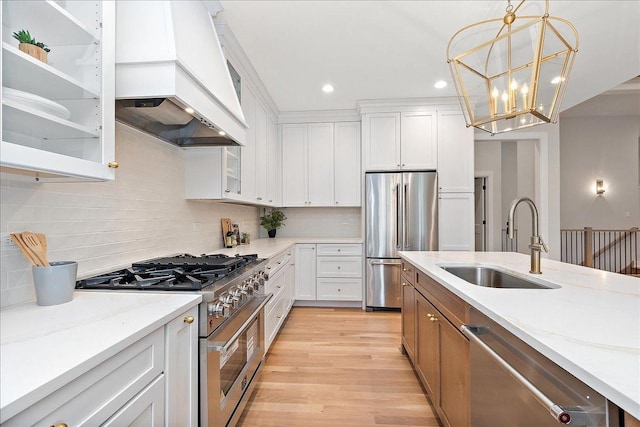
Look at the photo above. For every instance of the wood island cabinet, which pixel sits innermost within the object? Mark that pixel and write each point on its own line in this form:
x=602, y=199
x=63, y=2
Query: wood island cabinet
x=441, y=353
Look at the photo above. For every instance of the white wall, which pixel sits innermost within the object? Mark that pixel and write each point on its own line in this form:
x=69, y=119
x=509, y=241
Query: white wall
x=600, y=147
x=319, y=222
x=547, y=185
x=488, y=163
x=108, y=225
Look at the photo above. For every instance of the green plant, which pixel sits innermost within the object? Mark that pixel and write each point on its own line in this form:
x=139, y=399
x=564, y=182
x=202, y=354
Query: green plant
x=24, y=37
x=273, y=220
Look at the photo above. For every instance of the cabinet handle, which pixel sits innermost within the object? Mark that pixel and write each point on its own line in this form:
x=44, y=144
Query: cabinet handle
x=339, y=289
x=404, y=284
x=259, y=198
x=434, y=319
x=429, y=315
x=60, y=424
x=338, y=267
x=404, y=269
x=278, y=286
x=227, y=191
x=189, y=319
x=339, y=250
x=270, y=201
x=336, y=202
x=112, y=165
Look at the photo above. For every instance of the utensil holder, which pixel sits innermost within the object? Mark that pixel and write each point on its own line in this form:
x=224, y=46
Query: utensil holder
x=55, y=284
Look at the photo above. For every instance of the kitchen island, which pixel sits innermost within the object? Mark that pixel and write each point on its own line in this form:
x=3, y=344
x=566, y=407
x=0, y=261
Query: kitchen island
x=588, y=324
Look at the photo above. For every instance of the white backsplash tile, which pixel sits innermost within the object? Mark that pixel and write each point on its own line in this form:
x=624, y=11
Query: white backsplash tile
x=107, y=225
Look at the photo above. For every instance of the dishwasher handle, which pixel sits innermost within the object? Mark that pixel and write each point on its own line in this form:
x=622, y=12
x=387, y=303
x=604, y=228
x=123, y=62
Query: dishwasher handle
x=564, y=415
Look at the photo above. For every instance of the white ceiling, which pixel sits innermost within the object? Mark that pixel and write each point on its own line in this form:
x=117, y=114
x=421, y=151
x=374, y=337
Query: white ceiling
x=397, y=49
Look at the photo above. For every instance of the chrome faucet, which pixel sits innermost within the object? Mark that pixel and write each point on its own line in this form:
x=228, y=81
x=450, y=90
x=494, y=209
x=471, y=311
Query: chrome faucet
x=537, y=245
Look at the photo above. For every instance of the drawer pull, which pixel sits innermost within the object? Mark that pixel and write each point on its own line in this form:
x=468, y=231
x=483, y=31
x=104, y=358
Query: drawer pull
x=59, y=425
x=278, y=286
x=434, y=319
x=339, y=290
x=404, y=269
x=339, y=250
x=338, y=267
x=189, y=319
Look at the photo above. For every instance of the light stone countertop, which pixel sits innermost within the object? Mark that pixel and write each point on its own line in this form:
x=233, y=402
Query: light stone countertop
x=42, y=348
x=590, y=325
x=267, y=248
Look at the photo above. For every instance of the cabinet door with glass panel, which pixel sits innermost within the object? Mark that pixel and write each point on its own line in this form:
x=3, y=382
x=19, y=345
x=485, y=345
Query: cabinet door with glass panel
x=58, y=89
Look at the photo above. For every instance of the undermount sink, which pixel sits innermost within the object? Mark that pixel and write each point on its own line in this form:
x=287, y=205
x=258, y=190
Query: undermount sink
x=491, y=278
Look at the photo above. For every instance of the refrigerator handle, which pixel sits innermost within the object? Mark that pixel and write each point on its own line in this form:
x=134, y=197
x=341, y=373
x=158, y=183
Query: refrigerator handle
x=405, y=239
x=398, y=216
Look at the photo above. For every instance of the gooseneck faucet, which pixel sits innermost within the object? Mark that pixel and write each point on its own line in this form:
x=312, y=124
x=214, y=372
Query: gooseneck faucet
x=537, y=245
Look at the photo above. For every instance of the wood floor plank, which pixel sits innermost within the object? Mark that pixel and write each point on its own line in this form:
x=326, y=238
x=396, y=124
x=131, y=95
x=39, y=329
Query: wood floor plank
x=338, y=367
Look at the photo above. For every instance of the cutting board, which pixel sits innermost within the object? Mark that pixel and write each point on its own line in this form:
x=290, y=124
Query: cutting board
x=226, y=227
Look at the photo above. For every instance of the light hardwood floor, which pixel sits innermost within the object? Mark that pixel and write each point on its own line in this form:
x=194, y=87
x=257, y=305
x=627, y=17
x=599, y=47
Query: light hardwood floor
x=338, y=367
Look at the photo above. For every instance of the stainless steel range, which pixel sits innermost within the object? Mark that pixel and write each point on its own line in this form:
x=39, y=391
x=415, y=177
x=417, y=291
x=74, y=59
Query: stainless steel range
x=231, y=320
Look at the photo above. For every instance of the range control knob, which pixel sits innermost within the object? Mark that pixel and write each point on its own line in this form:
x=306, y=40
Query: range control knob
x=219, y=309
x=230, y=299
x=247, y=287
x=239, y=293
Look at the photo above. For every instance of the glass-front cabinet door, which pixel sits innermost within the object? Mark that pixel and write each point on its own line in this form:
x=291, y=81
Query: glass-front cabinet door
x=233, y=170
x=58, y=89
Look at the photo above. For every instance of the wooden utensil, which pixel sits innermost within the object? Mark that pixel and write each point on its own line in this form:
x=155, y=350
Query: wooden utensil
x=43, y=241
x=17, y=239
x=36, y=247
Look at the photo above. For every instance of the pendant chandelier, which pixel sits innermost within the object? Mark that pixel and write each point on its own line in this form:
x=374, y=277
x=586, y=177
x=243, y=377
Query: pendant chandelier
x=512, y=72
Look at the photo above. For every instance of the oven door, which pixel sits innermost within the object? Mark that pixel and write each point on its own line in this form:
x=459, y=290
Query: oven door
x=230, y=359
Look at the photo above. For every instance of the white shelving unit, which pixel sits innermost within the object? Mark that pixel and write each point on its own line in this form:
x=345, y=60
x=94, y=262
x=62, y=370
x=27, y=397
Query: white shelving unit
x=79, y=76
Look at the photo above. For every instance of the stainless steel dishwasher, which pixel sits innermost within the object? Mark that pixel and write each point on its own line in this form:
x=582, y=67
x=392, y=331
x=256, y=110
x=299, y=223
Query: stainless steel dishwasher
x=514, y=385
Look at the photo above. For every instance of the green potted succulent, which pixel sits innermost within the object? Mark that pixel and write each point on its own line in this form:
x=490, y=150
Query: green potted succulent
x=272, y=221
x=30, y=46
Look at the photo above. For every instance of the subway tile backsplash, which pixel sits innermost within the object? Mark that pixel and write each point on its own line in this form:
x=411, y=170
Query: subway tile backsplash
x=107, y=225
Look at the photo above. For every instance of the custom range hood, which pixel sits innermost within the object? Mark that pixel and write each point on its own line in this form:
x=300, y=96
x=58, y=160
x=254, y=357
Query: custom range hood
x=172, y=79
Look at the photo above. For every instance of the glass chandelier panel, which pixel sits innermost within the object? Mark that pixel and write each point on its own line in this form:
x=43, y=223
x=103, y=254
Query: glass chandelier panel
x=511, y=72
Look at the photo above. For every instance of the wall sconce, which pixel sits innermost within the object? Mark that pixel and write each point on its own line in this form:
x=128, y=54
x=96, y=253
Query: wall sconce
x=599, y=187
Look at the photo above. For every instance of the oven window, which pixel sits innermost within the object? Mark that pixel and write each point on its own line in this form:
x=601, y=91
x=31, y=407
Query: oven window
x=235, y=357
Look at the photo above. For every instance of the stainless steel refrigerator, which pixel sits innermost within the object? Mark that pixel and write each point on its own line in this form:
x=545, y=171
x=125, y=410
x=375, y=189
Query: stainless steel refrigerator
x=401, y=214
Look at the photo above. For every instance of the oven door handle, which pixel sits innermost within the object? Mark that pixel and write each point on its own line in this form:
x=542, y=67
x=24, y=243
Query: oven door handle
x=572, y=415
x=213, y=346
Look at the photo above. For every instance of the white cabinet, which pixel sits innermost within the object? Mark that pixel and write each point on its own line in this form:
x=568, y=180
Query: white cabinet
x=347, y=169
x=144, y=410
x=321, y=164
x=75, y=137
x=455, y=153
x=400, y=140
x=334, y=273
x=213, y=173
x=456, y=222
x=339, y=272
x=273, y=165
x=97, y=395
x=305, y=283
x=307, y=164
x=280, y=285
x=181, y=373
x=248, y=152
x=152, y=382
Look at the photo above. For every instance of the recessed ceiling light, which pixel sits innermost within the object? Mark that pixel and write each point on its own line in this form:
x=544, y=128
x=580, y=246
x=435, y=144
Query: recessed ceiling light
x=189, y=110
x=328, y=88
x=221, y=133
x=440, y=84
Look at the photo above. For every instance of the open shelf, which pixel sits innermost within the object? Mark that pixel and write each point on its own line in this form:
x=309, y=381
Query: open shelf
x=31, y=122
x=23, y=72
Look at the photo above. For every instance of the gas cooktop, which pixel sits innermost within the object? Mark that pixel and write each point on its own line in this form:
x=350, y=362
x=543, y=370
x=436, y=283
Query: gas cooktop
x=183, y=272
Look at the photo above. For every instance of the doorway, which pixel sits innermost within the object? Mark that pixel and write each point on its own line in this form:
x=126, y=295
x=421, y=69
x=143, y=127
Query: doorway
x=480, y=196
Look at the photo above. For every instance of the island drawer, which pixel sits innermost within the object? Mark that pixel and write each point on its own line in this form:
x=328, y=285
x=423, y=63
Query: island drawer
x=453, y=307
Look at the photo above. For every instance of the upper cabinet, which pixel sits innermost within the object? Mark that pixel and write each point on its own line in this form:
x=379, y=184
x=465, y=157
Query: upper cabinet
x=249, y=174
x=321, y=164
x=455, y=153
x=58, y=115
x=400, y=140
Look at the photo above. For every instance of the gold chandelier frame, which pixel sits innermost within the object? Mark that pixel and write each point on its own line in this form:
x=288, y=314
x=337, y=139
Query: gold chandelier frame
x=489, y=121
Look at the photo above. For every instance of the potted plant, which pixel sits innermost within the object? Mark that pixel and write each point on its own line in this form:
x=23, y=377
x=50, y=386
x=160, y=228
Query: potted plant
x=30, y=46
x=272, y=221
